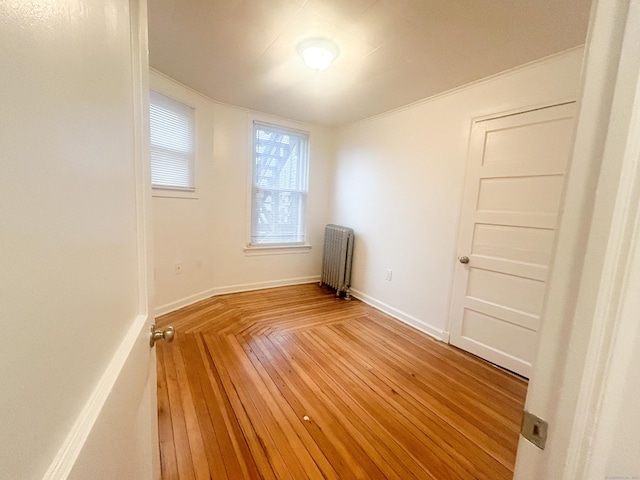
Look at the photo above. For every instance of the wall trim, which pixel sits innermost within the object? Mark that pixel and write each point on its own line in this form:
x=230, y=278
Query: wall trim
x=505, y=73
x=68, y=453
x=410, y=320
x=245, y=287
x=497, y=76
x=257, y=250
x=275, y=118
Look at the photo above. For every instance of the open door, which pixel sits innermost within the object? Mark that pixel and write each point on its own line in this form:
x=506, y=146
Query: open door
x=76, y=369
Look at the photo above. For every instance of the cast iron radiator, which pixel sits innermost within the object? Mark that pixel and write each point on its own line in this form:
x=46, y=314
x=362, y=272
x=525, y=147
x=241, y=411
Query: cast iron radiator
x=336, y=259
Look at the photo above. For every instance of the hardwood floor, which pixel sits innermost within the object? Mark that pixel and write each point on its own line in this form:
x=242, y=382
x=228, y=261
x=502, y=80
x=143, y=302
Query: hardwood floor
x=292, y=383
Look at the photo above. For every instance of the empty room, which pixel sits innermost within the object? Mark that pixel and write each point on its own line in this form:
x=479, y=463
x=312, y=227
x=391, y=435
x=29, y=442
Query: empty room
x=287, y=239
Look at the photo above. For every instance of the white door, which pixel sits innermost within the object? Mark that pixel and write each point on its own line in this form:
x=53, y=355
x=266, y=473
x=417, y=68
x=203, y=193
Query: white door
x=76, y=371
x=513, y=190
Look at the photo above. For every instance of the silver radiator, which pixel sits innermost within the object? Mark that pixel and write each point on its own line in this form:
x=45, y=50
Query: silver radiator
x=336, y=259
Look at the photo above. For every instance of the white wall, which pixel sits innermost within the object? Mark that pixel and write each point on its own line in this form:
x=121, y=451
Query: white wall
x=399, y=182
x=213, y=227
x=69, y=287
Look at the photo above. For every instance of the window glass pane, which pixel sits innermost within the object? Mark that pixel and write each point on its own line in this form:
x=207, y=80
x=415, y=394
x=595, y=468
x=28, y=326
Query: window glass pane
x=280, y=159
x=279, y=185
x=278, y=217
x=172, y=135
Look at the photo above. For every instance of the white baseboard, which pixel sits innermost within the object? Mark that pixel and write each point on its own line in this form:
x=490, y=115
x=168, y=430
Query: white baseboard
x=245, y=287
x=66, y=458
x=183, y=302
x=402, y=316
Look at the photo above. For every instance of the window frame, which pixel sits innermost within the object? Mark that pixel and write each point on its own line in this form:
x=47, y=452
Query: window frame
x=168, y=190
x=280, y=247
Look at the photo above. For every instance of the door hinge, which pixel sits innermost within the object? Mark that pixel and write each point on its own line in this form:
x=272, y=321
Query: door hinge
x=534, y=429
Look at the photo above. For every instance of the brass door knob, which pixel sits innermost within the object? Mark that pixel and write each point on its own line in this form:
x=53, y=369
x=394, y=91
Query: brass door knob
x=165, y=334
x=464, y=260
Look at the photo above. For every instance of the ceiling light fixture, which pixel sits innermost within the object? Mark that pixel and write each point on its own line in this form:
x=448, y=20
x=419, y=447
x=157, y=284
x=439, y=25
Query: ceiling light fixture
x=318, y=53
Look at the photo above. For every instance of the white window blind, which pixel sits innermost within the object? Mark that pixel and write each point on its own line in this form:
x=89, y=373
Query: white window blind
x=280, y=178
x=172, y=129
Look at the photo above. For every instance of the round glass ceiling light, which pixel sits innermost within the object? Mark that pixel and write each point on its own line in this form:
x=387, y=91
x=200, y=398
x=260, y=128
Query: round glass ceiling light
x=318, y=53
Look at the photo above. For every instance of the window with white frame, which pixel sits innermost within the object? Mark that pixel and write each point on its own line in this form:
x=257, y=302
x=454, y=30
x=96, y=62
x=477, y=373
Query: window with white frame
x=279, y=190
x=172, y=137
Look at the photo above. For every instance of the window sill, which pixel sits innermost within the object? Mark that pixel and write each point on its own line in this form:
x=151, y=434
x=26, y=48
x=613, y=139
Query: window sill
x=276, y=250
x=168, y=193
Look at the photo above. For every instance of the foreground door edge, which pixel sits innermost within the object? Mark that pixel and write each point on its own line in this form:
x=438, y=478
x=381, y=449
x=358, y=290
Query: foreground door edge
x=115, y=435
x=588, y=359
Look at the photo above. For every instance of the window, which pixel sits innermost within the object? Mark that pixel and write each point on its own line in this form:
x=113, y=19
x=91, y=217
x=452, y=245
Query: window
x=279, y=191
x=172, y=132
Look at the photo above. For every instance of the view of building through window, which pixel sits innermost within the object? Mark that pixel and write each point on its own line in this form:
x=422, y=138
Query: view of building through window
x=280, y=177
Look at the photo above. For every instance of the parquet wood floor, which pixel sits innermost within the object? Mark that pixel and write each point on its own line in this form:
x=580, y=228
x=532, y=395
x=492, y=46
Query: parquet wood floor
x=293, y=383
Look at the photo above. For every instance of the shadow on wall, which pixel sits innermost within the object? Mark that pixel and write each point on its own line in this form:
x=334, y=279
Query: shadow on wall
x=361, y=264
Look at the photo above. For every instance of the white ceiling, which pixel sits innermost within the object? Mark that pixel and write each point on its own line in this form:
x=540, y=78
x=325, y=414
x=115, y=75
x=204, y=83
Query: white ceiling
x=392, y=52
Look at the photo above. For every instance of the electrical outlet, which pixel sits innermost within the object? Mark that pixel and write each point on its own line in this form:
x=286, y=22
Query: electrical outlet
x=178, y=268
x=389, y=274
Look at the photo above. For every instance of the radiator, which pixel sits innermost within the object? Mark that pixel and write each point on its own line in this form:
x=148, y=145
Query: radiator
x=336, y=259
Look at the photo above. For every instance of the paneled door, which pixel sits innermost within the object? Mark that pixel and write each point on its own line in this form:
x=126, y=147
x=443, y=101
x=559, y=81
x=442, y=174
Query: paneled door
x=512, y=196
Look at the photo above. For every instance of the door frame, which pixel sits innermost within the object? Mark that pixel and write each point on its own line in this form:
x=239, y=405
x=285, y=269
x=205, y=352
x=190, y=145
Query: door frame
x=582, y=360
